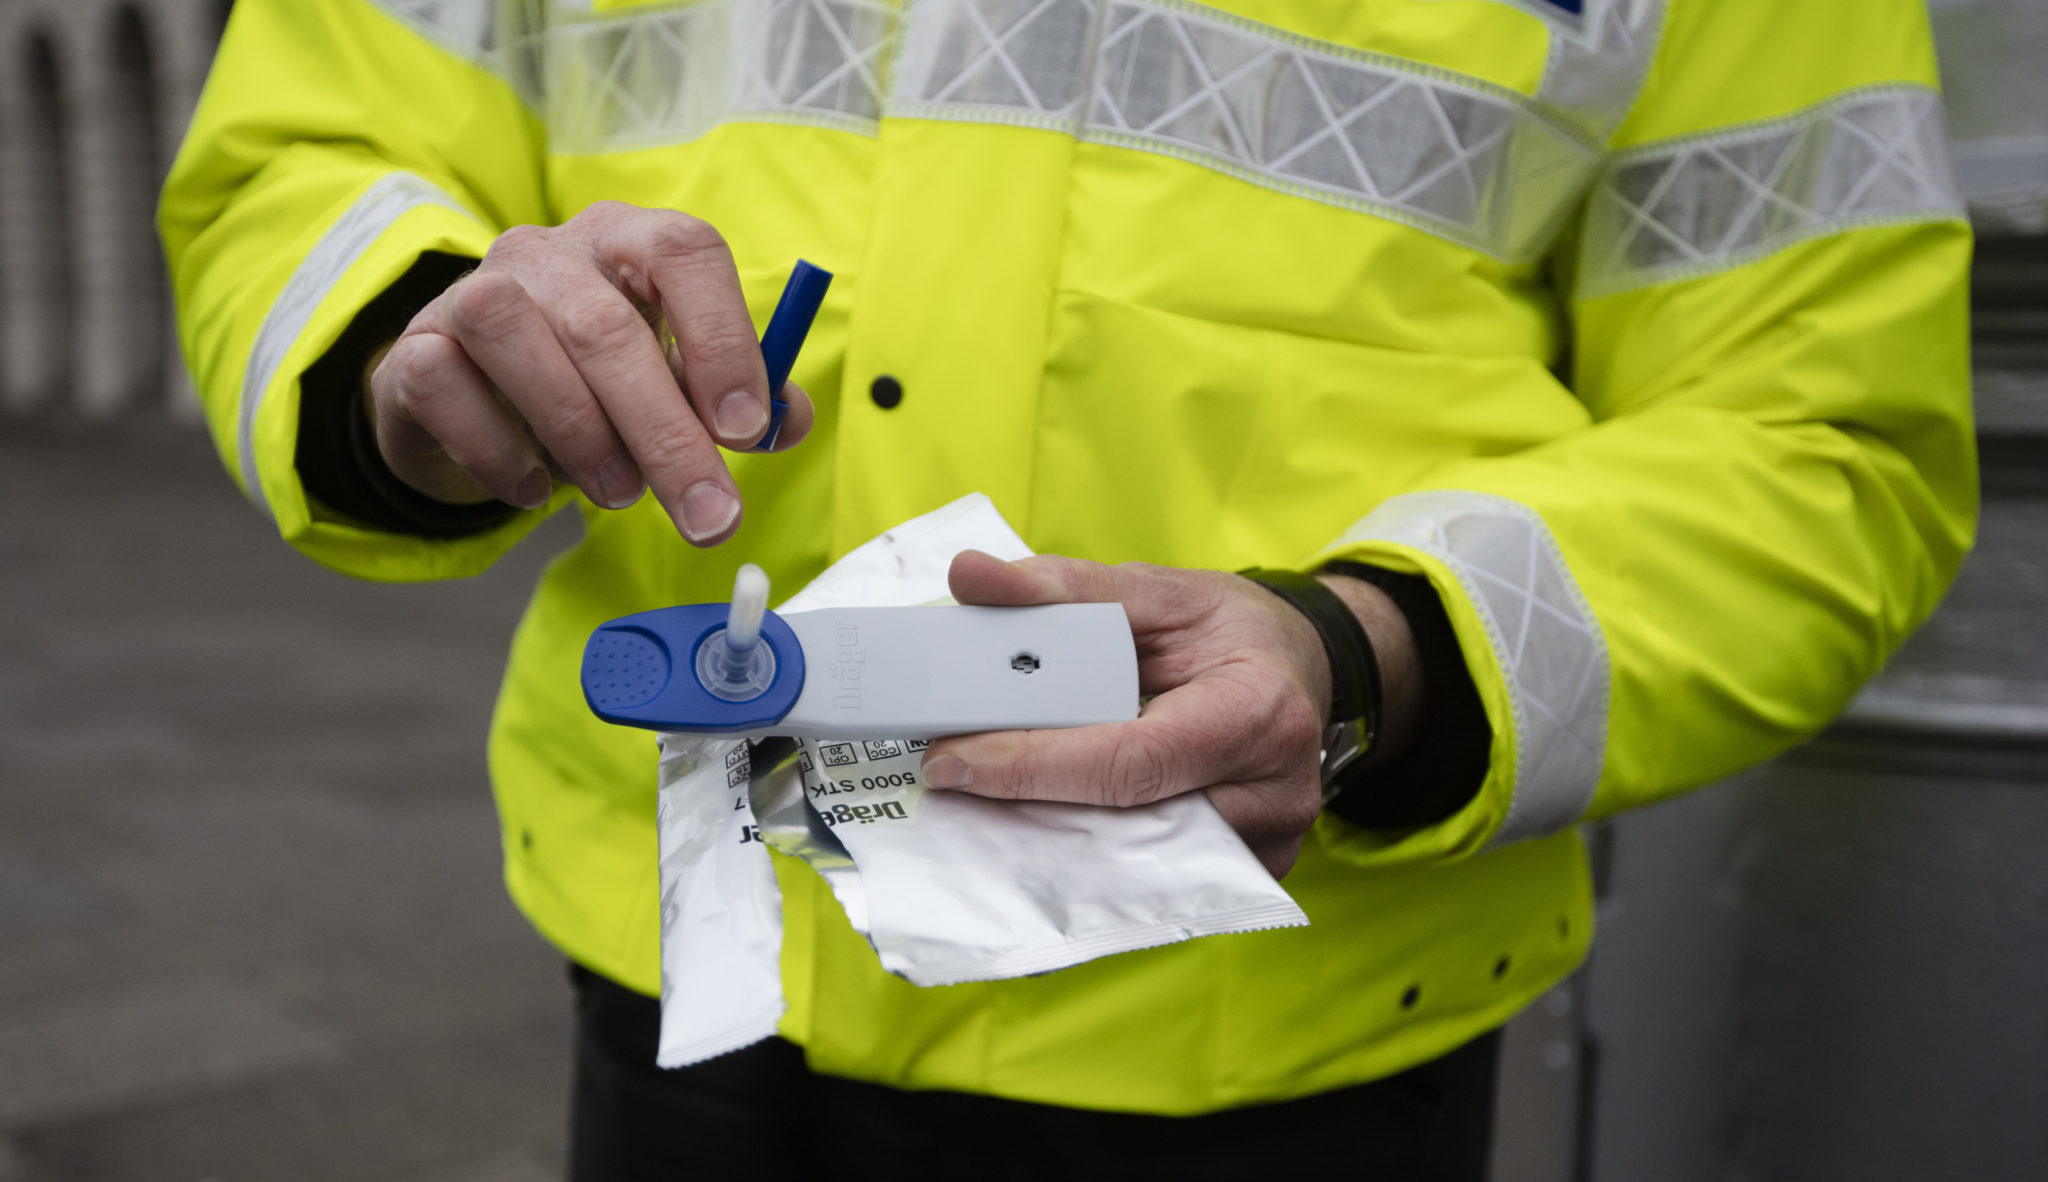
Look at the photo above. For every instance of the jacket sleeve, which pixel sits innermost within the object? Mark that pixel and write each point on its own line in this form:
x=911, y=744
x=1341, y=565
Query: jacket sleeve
x=1776, y=477
x=336, y=143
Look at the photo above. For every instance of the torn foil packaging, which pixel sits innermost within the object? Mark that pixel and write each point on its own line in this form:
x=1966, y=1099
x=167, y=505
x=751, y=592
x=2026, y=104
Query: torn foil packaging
x=950, y=887
x=721, y=912
x=947, y=887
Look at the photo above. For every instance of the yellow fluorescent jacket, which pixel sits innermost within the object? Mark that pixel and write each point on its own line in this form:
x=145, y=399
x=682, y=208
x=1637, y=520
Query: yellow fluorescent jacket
x=1640, y=331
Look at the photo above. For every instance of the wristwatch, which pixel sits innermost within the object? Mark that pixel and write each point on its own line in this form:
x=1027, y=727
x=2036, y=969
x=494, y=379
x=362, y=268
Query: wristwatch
x=1354, y=722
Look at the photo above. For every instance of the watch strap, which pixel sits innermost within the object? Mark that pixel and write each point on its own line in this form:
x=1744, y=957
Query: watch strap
x=1354, y=668
x=1444, y=768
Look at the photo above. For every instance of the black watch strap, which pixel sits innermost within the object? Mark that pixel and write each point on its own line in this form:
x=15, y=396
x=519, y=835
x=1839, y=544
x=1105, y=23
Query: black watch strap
x=1445, y=766
x=1354, y=669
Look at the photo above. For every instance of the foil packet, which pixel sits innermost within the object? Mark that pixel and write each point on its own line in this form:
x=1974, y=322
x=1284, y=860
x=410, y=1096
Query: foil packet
x=721, y=910
x=947, y=887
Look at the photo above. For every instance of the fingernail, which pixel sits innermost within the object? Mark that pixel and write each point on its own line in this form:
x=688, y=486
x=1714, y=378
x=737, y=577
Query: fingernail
x=534, y=491
x=741, y=415
x=947, y=771
x=707, y=509
x=619, y=481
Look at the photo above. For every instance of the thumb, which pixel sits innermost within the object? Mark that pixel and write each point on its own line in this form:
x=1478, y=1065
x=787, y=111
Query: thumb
x=981, y=578
x=1153, y=597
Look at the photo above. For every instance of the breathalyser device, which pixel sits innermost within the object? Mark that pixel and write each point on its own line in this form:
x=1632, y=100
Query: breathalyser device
x=856, y=673
x=861, y=673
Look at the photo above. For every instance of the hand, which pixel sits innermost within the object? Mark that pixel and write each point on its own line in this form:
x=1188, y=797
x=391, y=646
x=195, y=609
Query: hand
x=1242, y=685
x=542, y=361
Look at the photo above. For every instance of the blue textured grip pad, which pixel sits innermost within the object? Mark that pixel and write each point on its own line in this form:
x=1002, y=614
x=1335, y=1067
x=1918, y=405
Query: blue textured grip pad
x=623, y=668
x=640, y=670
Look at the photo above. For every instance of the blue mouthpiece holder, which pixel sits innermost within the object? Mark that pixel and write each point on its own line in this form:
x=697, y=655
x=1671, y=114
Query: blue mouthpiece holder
x=784, y=338
x=640, y=670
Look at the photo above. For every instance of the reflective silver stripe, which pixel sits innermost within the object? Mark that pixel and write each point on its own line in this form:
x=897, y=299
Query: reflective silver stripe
x=647, y=78
x=1000, y=61
x=1687, y=208
x=644, y=78
x=1479, y=165
x=383, y=203
x=1541, y=630
x=469, y=29
x=1594, y=78
x=1452, y=155
x=502, y=36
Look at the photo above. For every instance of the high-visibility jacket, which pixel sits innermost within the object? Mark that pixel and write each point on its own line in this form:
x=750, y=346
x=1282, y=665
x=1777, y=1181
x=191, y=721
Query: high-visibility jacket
x=1637, y=326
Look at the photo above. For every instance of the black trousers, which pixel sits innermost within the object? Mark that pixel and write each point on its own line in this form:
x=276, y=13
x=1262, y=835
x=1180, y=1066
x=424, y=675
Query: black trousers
x=761, y=1114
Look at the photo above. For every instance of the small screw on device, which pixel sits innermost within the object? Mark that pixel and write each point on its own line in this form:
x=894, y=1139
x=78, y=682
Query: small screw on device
x=732, y=663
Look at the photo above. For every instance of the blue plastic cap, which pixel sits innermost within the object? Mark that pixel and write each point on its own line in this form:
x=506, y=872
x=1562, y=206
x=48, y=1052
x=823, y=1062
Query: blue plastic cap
x=784, y=339
x=639, y=670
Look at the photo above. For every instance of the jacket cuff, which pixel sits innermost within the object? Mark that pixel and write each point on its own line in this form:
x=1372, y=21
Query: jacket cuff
x=337, y=456
x=335, y=271
x=1537, y=658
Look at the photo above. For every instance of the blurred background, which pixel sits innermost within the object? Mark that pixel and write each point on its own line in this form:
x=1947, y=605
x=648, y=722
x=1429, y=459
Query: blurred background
x=251, y=924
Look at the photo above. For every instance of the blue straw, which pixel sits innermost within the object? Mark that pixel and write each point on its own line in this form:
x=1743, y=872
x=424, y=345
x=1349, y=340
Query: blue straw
x=784, y=337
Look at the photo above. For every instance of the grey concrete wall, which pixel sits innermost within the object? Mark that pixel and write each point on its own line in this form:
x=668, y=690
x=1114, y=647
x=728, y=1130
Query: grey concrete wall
x=93, y=97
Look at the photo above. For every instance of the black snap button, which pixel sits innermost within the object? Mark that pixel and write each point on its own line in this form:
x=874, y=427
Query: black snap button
x=886, y=391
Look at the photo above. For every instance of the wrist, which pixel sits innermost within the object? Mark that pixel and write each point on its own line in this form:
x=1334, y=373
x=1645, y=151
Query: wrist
x=1402, y=685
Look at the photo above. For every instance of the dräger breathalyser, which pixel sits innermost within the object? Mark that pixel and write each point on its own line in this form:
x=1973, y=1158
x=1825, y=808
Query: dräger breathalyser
x=858, y=673
x=861, y=673
x=946, y=887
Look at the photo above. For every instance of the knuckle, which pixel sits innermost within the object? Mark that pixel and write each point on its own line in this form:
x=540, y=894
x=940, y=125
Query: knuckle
x=401, y=369
x=600, y=211
x=484, y=299
x=1295, y=726
x=413, y=373
x=518, y=240
x=599, y=326
x=571, y=423
x=406, y=444
x=1005, y=766
x=721, y=345
x=678, y=235
x=487, y=453
x=1139, y=769
x=670, y=454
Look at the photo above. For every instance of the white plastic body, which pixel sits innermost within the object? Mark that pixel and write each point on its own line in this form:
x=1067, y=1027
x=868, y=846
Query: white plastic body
x=928, y=672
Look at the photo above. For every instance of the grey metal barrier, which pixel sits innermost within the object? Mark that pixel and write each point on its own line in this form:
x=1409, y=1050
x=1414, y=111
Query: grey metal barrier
x=1835, y=969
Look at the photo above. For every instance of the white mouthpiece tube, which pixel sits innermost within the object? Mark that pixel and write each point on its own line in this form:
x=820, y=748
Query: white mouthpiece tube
x=749, y=600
